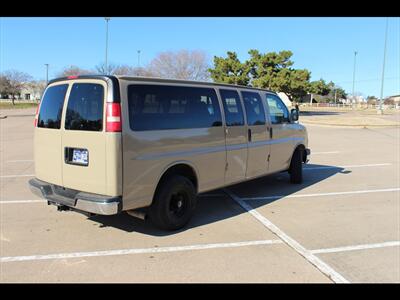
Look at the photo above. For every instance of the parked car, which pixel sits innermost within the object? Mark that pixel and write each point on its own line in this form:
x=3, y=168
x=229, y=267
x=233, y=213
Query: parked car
x=106, y=144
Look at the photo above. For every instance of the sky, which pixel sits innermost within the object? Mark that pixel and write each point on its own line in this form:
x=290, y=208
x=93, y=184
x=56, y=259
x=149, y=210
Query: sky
x=323, y=45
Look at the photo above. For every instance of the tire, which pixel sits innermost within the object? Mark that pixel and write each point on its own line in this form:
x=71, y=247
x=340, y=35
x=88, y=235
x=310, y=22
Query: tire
x=296, y=167
x=174, y=203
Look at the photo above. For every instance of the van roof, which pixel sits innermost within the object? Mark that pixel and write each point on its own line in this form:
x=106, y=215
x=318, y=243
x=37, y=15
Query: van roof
x=156, y=79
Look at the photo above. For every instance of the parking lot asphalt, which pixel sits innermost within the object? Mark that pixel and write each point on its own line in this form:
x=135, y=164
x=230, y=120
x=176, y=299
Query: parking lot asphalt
x=342, y=224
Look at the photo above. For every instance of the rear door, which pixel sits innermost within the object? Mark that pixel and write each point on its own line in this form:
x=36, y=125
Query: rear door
x=47, y=134
x=235, y=136
x=83, y=143
x=257, y=135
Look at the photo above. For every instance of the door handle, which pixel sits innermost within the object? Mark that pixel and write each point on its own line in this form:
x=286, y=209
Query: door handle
x=270, y=132
x=249, y=134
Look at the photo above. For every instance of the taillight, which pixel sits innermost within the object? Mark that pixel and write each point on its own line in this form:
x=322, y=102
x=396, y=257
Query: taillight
x=36, y=115
x=72, y=77
x=113, y=117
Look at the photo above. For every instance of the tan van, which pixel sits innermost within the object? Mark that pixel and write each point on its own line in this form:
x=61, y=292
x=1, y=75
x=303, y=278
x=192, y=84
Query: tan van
x=106, y=144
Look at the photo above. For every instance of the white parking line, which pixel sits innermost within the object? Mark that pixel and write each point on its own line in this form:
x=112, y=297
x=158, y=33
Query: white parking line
x=346, y=167
x=138, y=251
x=13, y=176
x=356, y=247
x=322, y=266
x=21, y=201
x=321, y=194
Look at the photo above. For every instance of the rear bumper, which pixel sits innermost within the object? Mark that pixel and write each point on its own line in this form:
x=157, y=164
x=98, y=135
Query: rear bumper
x=76, y=200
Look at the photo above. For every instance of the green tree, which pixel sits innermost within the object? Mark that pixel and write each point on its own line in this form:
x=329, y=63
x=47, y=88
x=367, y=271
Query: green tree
x=319, y=87
x=271, y=70
x=265, y=69
x=230, y=70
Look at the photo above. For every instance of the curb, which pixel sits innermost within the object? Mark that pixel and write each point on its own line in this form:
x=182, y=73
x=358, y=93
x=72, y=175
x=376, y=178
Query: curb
x=352, y=125
x=11, y=116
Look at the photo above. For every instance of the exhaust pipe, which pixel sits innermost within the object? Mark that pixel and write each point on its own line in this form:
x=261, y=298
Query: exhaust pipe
x=137, y=214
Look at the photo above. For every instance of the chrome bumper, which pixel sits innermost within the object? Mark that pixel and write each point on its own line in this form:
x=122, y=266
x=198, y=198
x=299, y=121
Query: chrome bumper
x=76, y=200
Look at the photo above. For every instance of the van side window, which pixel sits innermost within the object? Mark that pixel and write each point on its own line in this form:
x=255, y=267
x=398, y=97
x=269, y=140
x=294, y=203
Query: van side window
x=277, y=110
x=158, y=107
x=232, y=107
x=52, y=106
x=85, y=107
x=254, y=108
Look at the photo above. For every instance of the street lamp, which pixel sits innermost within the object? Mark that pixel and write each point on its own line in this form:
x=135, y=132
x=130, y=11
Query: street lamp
x=106, y=65
x=138, y=59
x=380, y=111
x=354, y=77
x=47, y=73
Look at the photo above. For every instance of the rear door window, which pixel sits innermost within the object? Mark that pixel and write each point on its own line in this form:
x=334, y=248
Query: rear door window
x=159, y=107
x=254, y=108
x=51, y=107
x=232, y=107
x=85, y=107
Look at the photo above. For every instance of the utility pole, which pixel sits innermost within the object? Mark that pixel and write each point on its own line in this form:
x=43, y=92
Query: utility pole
x=354, y=77
x=138, y=58
x=47, y=73
x=335, y=96
x=106, y=64
x=380, y=111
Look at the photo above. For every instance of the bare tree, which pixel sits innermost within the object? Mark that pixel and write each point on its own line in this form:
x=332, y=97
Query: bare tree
x=101, y=69
x=184, y=64
x=16, y=81
x=123, y=69
x=4, y=87
x=73, y=71
x=37, y=86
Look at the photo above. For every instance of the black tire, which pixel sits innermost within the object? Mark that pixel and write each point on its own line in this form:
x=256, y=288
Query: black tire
x=296, y=167
x=174, y=203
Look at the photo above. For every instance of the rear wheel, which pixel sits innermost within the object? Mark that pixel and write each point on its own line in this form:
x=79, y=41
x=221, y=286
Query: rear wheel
x=174, y=203
x=296, y=167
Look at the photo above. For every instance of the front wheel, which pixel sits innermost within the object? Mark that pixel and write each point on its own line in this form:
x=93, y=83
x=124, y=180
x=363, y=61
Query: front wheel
x=296, y=167
x=174, y=203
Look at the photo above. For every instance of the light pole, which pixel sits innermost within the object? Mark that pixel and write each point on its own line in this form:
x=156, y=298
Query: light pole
x=380, y=111
x=138, y=58
x=47, y=73
x=354, y=77
x=106, y=65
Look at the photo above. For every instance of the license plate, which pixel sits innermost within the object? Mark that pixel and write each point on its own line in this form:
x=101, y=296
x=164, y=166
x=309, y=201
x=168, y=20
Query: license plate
x=80, y=156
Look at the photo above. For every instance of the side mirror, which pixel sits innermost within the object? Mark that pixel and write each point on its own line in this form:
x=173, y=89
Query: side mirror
x=294, y=115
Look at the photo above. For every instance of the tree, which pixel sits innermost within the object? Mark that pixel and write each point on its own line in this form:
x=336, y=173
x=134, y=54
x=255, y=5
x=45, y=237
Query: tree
x=266, y=68
x=319, y=87
x=184, y=64
x=14, y=82
x=4, y=86
x=114, y=69
x=336, y=92
x=230, y=70
x=73, y=71
x=37, y=86
x=372, y=100
x=270, y=70
x=273, y=71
